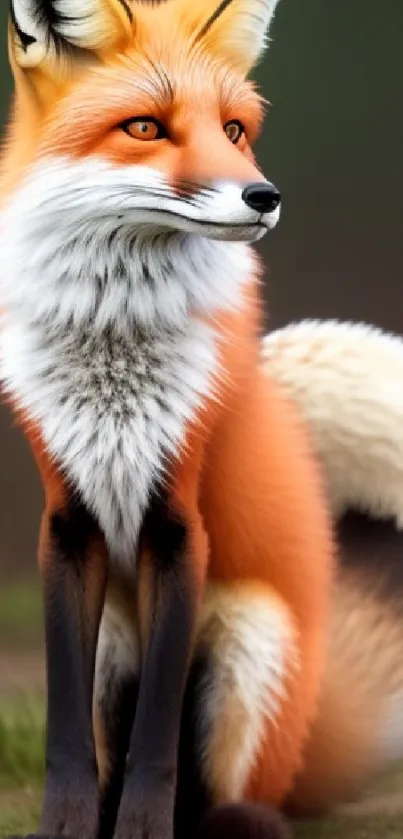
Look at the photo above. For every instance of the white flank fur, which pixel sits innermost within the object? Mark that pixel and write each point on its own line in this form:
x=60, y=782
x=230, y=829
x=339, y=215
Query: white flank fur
x=348, y=380
x=251, y=644
x=118, y=654
x=101, y=341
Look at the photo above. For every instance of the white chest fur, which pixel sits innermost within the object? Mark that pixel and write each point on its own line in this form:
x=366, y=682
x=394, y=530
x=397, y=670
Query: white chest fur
x=101, y=343
x=111, y=409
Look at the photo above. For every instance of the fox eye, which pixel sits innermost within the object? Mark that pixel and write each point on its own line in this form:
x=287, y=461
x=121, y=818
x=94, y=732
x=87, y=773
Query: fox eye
x=144, y=128
x=234, y=130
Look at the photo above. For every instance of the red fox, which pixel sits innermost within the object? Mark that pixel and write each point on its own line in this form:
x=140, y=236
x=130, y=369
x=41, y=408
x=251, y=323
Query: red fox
x=186, y=547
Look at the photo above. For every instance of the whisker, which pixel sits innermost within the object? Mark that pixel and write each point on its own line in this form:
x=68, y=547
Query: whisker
x=157, y=192
x=196, y=187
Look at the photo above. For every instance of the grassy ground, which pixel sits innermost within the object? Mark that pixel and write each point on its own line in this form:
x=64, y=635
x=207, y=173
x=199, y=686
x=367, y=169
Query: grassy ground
x=22, y=726
x=22, y=737
x=22, y=734
x=20, y=616
x=383, y=826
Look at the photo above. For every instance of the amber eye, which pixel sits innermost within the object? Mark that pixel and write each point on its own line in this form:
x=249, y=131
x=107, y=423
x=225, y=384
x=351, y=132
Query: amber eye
x=234, y=131
x=144, y=129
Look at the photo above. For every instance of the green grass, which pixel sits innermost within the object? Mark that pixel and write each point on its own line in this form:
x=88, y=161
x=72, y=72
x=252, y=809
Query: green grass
x=347, y=827
x=22, y=816
x=22, y=741
x=21, y=615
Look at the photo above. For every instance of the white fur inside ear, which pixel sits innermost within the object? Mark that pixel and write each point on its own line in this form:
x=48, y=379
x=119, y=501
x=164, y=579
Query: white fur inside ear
x=81, y=23
x=248, y=34
x=31, y=33
x=32, y=55
x=348, y=381
x=85, y=23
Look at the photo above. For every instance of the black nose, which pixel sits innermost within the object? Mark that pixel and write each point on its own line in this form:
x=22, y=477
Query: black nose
x=263, y=197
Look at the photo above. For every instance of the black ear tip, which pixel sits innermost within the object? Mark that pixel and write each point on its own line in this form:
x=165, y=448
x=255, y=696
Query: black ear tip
x=243, y=821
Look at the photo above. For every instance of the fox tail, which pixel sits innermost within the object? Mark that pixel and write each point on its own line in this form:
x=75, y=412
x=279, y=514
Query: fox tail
x=347, y=379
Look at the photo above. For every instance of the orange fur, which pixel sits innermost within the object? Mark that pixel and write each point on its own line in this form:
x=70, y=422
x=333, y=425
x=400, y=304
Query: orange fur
x=266, y=522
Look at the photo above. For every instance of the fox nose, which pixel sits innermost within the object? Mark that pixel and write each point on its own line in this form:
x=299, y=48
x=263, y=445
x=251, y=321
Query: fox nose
x=262, y=197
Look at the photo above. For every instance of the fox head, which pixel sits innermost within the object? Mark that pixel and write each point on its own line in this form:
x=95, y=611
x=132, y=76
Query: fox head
x=151, y=100
x=133, y=123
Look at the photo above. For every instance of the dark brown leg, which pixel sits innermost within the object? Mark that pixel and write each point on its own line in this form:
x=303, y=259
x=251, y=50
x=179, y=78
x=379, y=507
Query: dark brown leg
x=192, y=798
x=117, y=708
x=169, y=544
x=73, y=567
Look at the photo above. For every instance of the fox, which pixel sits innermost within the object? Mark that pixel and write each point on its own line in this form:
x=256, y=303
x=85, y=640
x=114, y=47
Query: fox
x=186, y=551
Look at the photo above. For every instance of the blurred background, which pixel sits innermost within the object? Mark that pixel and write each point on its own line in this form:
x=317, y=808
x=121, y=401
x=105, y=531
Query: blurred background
x=333, y=145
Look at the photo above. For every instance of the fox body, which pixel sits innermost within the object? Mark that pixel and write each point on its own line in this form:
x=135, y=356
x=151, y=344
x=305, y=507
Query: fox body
x=185, y=519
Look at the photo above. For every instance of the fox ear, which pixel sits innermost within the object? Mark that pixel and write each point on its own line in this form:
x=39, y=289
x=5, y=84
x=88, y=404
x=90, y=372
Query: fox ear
x=52, y=33
x=237, y=29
